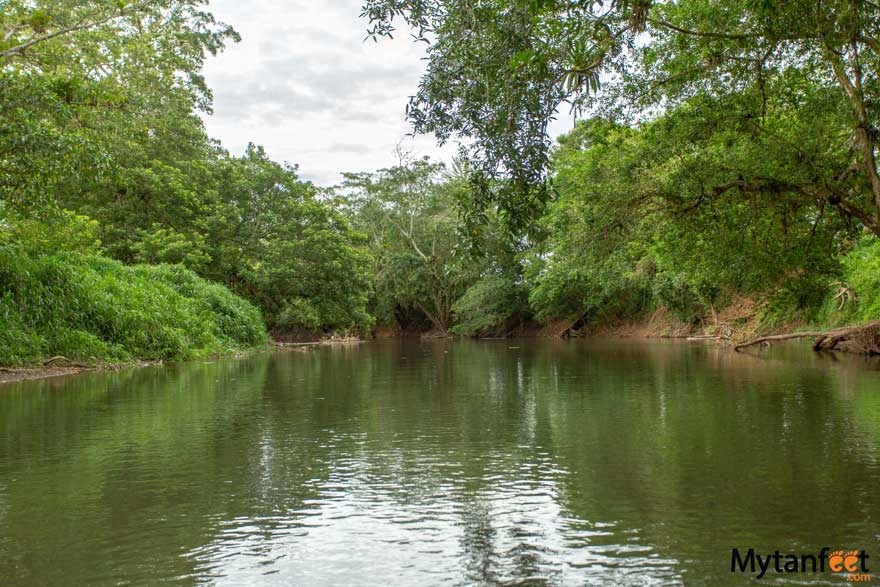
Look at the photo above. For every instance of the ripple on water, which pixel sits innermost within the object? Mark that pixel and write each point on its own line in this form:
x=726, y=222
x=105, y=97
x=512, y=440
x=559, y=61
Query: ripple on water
x=556, y=464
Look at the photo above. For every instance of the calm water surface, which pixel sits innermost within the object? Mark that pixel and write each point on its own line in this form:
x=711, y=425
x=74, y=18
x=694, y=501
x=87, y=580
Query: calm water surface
x=444, y=463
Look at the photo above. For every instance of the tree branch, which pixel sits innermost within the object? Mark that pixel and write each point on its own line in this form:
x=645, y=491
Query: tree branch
x=659, y=22
x=86, y=25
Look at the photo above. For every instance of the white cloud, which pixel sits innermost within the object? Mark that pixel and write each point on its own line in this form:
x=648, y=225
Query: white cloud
x=305, y=85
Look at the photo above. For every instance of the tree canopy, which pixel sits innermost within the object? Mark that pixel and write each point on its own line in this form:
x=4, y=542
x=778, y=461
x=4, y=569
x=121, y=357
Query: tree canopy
x=723, y=170
x=101, y=141
x=499, y=71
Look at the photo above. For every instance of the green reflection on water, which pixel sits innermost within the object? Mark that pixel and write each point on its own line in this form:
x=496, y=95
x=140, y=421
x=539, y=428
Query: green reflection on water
x=421, y=463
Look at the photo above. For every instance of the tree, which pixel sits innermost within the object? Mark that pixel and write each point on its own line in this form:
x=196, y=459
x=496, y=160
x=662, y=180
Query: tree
x=101, y=142
x=499, y=70
x=82, y=82
x=408, y=212
x=272, y=238
x=634, y=226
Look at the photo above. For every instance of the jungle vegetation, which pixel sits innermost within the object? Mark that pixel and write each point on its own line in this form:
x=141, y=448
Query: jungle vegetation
x=725, y=153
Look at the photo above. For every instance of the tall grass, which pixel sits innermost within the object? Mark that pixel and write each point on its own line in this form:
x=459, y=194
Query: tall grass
x=90, y=308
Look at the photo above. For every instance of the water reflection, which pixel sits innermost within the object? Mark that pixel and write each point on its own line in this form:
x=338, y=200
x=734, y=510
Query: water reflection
x=439, y=463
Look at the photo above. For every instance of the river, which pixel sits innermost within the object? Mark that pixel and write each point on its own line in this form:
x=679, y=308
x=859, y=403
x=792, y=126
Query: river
x=522, y=462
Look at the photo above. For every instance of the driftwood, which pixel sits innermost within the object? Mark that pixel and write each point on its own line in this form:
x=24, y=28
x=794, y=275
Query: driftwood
x=66, y=362
x=866, y=336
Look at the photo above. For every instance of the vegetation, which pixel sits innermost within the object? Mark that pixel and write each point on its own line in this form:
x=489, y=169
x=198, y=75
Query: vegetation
x=730, y=151
x=103, y=153
x=498, y=72
x=427, y=273
x=725, y=158
x=90, y=308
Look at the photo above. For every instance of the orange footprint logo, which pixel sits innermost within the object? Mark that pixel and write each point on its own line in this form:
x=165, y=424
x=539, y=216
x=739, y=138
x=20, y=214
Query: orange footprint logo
x=844, y=561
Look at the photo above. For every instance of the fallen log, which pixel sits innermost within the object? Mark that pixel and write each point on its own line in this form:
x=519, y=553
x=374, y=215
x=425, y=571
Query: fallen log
x=827, y=340
x=67, y=362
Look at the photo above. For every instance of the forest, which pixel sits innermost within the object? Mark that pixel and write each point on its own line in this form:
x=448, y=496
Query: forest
x=722, y=179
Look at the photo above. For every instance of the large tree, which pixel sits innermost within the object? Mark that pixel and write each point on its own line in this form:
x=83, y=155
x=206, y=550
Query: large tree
x=84, y=84
x=499, y=70
x=408, y=212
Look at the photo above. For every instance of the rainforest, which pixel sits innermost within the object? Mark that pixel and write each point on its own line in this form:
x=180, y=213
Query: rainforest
x=439, y=292
x=721, y=181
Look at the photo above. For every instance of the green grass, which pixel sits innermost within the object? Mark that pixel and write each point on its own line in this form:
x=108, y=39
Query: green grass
x=93, y=309
x=853, y=297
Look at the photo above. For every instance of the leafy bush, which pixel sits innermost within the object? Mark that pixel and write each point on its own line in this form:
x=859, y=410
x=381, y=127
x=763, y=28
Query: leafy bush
x=861, y=269
x=672, y=290
x=489, y=305
x=855, y=297
x=91, y=308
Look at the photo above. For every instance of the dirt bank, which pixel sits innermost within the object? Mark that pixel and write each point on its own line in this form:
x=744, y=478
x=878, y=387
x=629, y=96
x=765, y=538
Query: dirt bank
x=58, y=368
x=8, y=375
x=738, y=326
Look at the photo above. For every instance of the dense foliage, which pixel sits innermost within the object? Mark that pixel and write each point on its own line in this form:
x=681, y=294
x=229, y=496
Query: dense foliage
x=427, y=272
x=726, y=157
x=102, y=151
x=498, y=71
x=730, y=156
x=629, y=232
x=91, y=308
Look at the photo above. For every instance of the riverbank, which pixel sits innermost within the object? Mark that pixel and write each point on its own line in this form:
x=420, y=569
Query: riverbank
x=61, y=366
x=740, y=325
x=14, y=374
x=66, y=311
x=733, y=326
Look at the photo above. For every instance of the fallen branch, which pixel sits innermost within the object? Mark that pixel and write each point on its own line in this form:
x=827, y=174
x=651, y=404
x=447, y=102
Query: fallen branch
x=709, y=337
x=826, y=340
x=57, y=358
x=571, y=323
x=68, y=364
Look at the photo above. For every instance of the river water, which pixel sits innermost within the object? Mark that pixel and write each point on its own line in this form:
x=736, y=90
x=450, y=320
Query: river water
x=517, y=462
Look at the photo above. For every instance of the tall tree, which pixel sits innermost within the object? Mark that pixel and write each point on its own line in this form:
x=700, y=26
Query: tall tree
x=272, y=238
x=409, y=213
x=499, y=70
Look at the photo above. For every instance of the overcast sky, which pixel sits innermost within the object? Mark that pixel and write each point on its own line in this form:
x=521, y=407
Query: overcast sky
x=303, y=83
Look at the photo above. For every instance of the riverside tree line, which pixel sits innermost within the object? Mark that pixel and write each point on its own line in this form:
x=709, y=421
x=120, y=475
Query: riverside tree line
x=726, y=153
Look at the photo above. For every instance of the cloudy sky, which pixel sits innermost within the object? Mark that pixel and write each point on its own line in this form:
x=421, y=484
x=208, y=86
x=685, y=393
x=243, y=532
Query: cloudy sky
x=303, y=83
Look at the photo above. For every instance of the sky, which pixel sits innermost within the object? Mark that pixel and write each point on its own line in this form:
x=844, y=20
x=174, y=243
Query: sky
x=303, y=84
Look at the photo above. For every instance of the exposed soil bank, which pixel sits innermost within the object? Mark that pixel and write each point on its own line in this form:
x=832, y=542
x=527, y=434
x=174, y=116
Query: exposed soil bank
x=739, y=327
x=13, y=374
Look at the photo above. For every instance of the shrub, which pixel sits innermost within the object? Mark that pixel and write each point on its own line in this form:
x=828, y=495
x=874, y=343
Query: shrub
x=861, y=281
x=488, y=306
x=90, y=308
